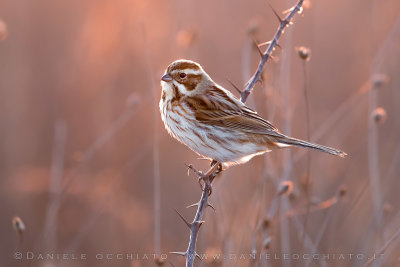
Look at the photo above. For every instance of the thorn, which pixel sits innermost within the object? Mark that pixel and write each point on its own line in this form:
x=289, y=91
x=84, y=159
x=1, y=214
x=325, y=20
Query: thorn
x=276, y=14
x=269, y=42
x=199, y=223
x=183, y=219
x=275, y=59
x=300, y=10
x=209, y=205
x=191, y=167
x=198, y=256
x=265, y=43
x=179, y=253
x=197, y=204
x=234, y=86
x=258, y=48
x=188, y=169
x=193, y=205
x=284, y=12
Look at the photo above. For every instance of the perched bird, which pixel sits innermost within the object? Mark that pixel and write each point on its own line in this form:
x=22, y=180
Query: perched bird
x=215, y=124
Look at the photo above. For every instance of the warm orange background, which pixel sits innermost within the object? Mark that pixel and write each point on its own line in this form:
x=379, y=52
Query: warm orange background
x=79, y=92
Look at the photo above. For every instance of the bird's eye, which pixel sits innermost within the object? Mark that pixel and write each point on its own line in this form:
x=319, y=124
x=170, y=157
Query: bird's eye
x=182, y=75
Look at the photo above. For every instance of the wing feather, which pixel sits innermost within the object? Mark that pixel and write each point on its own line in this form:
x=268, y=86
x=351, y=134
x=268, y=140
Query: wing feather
x=220, y=108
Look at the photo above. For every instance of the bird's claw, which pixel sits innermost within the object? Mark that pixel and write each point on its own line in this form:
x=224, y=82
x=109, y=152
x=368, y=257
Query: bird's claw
x=219, y=167
x=205, y=179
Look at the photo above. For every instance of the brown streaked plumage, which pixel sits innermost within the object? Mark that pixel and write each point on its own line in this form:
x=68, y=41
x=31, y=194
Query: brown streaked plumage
x=213, y=122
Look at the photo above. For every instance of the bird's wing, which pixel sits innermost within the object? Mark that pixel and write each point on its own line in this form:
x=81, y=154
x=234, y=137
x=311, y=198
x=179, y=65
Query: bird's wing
x=231, y=114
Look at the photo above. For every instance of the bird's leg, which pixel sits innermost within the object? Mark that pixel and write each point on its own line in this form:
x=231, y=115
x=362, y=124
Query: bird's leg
x=219, y=166
x=217, y=170
x=214, y=170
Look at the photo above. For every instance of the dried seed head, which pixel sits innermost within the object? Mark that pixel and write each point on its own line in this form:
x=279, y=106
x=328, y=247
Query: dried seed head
x=159, y=261
x=379, y=79
x=185, y=38
x=212, y=253
x=3, y=30
x=253, y=27
x=307, y=4
x=285, y=188
x=387, y=208
x=305, y=182
x=78, y=156
x=379, y=115
x=342, y=191
x=18, y=225
x=267, y=243
x=132, y=100
x=304, y=52
x=266, y=223
x=293, y=196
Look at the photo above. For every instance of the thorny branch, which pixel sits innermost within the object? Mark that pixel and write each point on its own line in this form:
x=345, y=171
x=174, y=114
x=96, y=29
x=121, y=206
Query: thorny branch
x=265, y=56
x=208, y=177
x=194, y=227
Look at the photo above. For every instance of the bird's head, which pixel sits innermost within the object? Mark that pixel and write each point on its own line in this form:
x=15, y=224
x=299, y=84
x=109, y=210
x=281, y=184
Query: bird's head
x=184, y=77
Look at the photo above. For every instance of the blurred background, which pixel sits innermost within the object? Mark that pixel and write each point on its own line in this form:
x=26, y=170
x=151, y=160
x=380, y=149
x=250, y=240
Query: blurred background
x=88, y=168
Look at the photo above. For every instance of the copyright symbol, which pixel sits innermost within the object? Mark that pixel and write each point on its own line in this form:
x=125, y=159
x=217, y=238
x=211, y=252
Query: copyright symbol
x=18, y=255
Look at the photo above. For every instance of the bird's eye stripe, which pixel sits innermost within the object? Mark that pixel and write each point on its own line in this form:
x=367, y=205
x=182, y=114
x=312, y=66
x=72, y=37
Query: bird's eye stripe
x=191, y=71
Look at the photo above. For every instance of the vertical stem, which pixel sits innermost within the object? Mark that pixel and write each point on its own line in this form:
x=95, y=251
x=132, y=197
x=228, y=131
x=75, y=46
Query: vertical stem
x=307, y=182
x=56, y=174
x=287, y=160
x=156, y=157
x=373, y=153
x=156, y=153
x=373, y=163
x=157, y=184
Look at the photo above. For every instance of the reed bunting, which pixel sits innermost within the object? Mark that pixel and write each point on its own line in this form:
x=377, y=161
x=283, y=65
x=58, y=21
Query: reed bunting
x=215, y=124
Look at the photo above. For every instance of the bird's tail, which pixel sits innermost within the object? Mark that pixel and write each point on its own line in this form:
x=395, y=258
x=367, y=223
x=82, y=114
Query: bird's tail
x=289, y=141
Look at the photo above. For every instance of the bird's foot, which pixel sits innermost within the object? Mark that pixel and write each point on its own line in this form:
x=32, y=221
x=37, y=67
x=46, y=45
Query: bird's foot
x=205, y=179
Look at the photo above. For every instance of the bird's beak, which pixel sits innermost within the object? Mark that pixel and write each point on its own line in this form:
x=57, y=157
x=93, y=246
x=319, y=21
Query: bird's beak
x=166, y=78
